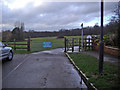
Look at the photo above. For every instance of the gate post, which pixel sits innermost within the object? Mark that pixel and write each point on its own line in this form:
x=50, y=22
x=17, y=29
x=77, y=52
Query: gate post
x=72, y=44
x=28, y=45
x=14, y=45
x=79, y=44
x=65, y=44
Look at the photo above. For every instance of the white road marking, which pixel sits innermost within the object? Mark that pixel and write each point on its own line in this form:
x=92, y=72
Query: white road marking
x=15, y=68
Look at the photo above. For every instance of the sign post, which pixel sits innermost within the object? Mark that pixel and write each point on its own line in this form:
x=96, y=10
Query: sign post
x=82, y=37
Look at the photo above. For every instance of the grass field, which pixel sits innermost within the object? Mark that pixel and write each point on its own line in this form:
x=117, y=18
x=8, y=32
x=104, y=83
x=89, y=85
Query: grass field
x=37, y=44
x=89, y=65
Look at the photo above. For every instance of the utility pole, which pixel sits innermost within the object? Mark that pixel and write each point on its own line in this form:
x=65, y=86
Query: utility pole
x=119, y=10
x=82, y=37
x=101, y=53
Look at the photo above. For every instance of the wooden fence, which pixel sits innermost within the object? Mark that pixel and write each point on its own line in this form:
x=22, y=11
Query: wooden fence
x=88, y=44
x=17, y=45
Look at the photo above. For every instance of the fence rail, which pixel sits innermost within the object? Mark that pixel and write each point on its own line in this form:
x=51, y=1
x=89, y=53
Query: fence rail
x=19, y=45
x=16, y=44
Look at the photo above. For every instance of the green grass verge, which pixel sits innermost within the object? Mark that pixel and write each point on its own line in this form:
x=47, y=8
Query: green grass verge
x=89, y=65
x=22, y=51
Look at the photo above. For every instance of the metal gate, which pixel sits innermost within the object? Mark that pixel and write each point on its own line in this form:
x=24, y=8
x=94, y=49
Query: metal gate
x=76, y=45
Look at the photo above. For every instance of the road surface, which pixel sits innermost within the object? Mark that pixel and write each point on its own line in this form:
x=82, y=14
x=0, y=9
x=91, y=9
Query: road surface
x=46, y=69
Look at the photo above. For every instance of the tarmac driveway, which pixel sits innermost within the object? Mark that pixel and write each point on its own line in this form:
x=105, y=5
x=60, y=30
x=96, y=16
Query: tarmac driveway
x=46, y=69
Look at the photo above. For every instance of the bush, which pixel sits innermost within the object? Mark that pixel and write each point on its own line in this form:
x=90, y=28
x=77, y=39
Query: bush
x=109, y=40
x=106, y=40
x=97, y=41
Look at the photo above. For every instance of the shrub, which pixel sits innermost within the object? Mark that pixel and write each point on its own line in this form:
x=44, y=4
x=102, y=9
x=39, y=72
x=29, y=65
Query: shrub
x=97, y=41
x=105, y=40
x=110, y=39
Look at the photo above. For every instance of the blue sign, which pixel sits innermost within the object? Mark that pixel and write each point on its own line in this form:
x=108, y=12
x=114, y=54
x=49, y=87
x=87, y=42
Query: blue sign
x=47, y=44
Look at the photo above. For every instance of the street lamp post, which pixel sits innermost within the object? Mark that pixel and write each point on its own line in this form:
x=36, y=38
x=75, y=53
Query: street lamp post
x=101, y=53
x=82, y=37
x=118, y=24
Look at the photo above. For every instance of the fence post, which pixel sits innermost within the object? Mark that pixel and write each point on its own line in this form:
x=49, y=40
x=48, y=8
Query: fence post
x=72, y=44
x=14, y=44
x=65, y=44
x=85, y=44
x=92, y=43
x=79, y=44
x=89, y=43
x=28, y=44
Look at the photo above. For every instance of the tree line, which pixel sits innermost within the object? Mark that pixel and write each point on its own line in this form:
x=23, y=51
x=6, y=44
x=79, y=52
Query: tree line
x=18, y=33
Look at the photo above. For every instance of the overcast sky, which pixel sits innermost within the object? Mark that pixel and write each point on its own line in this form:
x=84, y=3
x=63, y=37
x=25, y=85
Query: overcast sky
x=53, y=16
